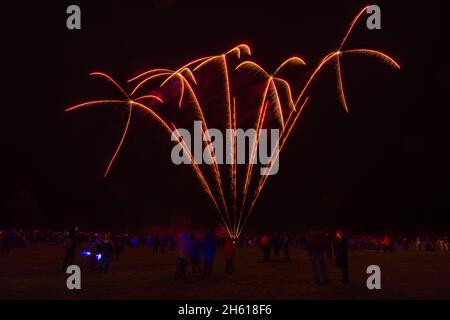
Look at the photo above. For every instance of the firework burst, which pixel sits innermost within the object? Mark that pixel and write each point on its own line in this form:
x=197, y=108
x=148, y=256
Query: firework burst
x=232, y=92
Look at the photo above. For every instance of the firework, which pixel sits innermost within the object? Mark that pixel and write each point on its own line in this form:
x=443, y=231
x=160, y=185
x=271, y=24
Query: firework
x=233, y=189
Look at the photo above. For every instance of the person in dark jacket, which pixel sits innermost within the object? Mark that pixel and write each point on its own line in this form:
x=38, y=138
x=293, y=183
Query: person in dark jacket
x=316, y=246
x=71, y=246
x=341, y=252
x=5, y=240
x=266, y=244
x=119, y=245
x=229, y=249
x=106, y=253
x=196, y=252
x=276, y=247
x=184, y=252
x=285, y=246
x=155, y=243
x=329, y=249
x=209, y=247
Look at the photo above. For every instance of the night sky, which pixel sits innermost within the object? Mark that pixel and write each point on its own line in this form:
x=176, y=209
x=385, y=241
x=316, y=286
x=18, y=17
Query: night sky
x=385, y=164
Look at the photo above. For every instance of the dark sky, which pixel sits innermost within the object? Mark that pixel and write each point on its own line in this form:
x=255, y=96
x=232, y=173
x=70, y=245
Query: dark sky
x=385, y=164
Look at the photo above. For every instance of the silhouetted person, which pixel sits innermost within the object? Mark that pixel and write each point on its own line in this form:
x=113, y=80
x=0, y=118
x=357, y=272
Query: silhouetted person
x=276, y=247
x=229, y=249
x=183, y=255
x=387, y=244
x=405, y=244
x=341, y=252
x=196, y=252
x=71, y=246
x=162, y=243
x=155, y=243
x=209, y=246
x=285, y=247
x=316, y=246
x=106, y=254
x=95, y=249
x=6, y=239
x=119, y=245
x=265, y=244
x=418, y=244
x=329, y=247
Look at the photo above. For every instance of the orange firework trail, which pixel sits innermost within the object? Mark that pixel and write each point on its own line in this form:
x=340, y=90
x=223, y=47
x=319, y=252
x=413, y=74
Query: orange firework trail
x=233, y=189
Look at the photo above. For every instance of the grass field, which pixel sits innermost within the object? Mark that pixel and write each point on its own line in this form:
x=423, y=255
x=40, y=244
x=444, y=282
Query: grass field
x=35, y=274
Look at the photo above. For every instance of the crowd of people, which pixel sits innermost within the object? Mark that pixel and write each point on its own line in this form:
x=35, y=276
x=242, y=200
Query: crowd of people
x=193, y=249
x=22, y=238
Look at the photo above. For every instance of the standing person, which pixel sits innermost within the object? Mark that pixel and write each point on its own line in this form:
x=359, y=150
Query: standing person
x=119, y=245
x=148, y=241
x=441, y=243
x=285, y=246
x=341, y=252
x=316, y=246
x=95, y=248
x=265, y=246
x=387, y=244
x=155, y=243
x=276, y=247
x=418, y=244
x=229, y=249
x=163, y=243
x=195, y=256
x=183, y=255
x=405, y=244
x=106, y=254
x=71, y=246
x=209, y=246
x=329, y=248
x=5, y=239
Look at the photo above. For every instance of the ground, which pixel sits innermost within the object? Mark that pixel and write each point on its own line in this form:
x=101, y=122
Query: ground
x=35, y=274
